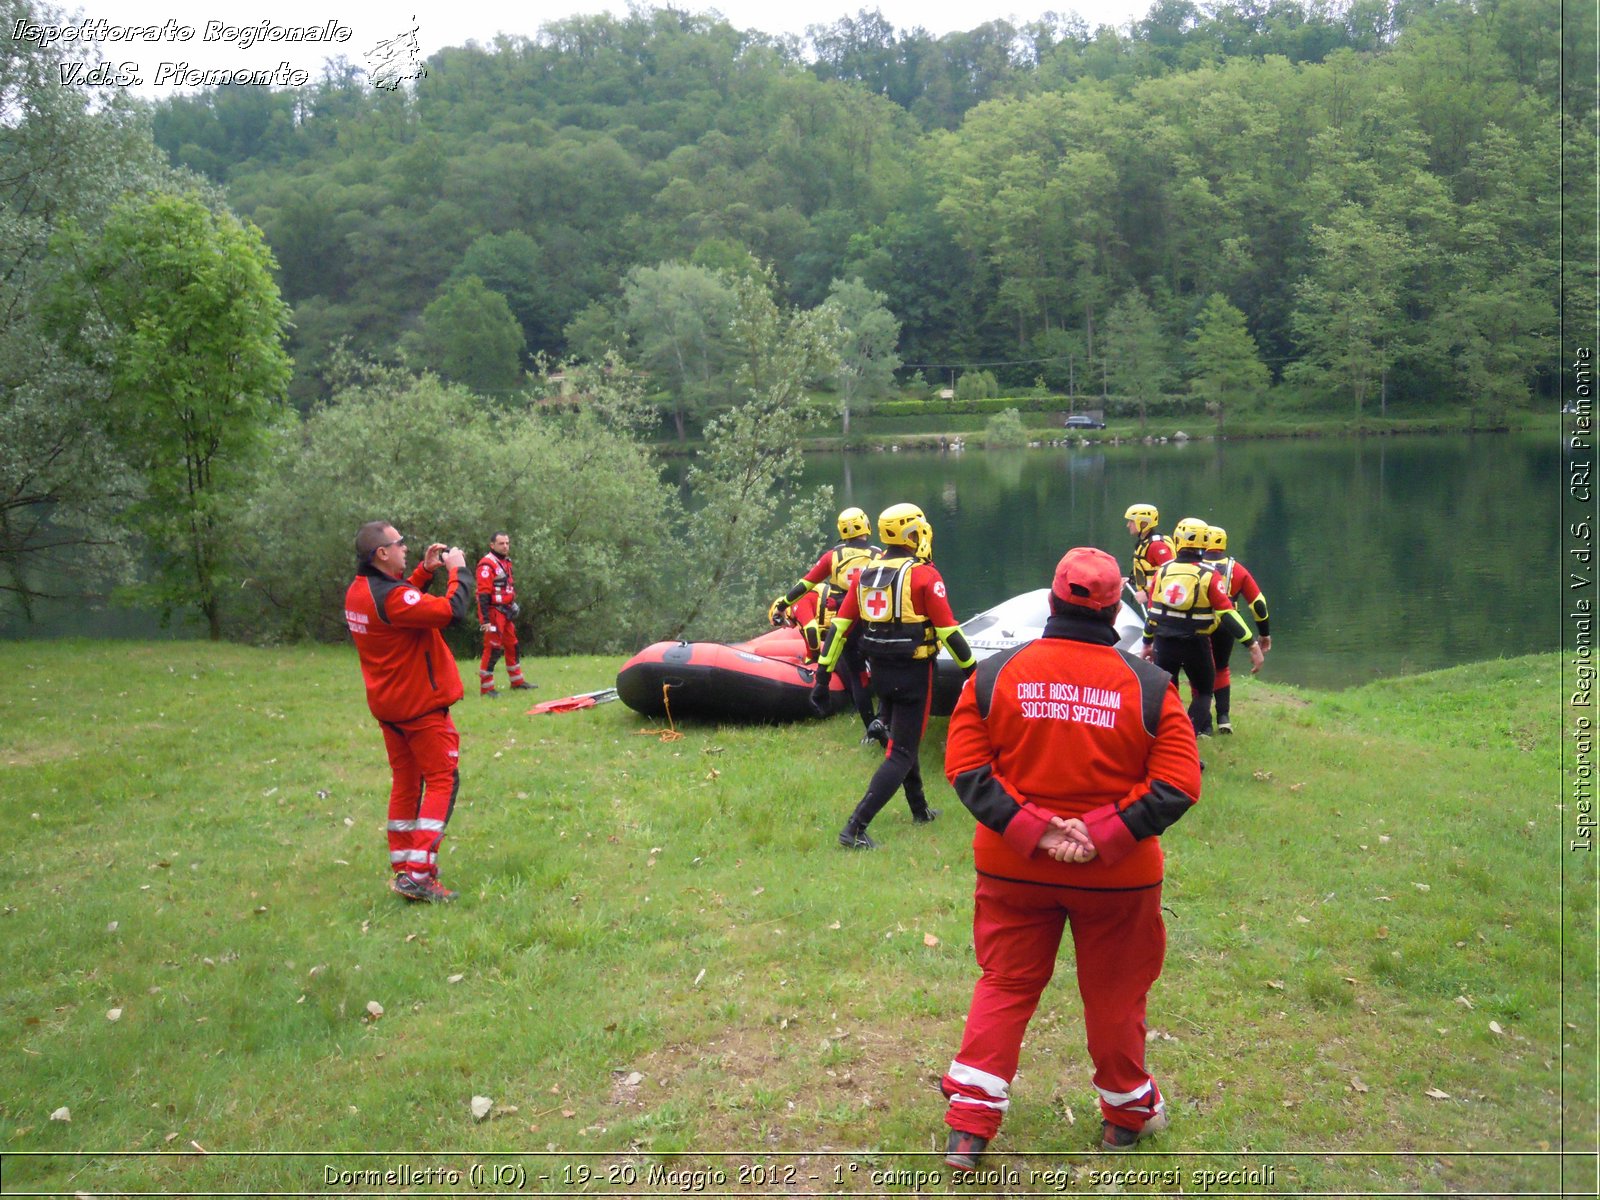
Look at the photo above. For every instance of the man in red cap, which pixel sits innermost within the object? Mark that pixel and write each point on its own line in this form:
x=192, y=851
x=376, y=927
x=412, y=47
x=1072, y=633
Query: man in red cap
x=1074, y=756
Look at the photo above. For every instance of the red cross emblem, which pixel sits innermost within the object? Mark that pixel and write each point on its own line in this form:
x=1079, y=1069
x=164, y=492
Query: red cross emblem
x=877, y=603
x=1175, y=593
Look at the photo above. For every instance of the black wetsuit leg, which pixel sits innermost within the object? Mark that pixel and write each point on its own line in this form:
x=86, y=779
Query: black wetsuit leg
x=1222, y=643
x=905, y=693
x=1192, y=656
x=855, y=669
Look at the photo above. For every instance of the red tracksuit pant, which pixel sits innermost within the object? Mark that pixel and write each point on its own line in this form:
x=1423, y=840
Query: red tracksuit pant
x=424, y=755
x=503, y=637
x=1119, y=942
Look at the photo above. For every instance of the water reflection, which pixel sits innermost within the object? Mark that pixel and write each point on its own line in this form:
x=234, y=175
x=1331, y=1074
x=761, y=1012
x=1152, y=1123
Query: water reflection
x=1378, y=556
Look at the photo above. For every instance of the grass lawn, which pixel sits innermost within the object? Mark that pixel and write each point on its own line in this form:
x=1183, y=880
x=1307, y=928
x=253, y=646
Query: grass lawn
x=1380, y=975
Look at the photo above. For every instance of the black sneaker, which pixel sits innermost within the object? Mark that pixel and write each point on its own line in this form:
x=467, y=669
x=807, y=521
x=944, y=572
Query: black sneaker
x=1116, y=1138
x=491, y=694
x=964, y=1149
x=523, y=687
x=1224, y=725
x=422, y=891
x=856, y=840
x=878, y=732
x=926, y=816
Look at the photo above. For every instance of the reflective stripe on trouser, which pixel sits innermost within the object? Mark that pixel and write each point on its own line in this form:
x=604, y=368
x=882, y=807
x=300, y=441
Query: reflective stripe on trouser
x=979, y=1098
x=424, y=755
x=1119, y=943
x=501, y=639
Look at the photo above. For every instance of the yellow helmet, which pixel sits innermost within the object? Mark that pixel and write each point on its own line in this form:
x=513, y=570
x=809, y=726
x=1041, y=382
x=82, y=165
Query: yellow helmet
x=1216, y=538
x=904, y=525
x=1190, y=534
x=853, y=523
x=1144, y=516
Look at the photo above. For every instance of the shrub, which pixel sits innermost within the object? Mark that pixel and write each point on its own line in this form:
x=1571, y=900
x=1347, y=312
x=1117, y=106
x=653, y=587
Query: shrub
x=977, y=385
x=1005, y=431
x=584, y=505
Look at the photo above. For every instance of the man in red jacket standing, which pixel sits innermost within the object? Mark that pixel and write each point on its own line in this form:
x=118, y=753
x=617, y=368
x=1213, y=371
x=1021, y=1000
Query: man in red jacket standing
x=497, y=615
x=412, y=681
x=1074, y=756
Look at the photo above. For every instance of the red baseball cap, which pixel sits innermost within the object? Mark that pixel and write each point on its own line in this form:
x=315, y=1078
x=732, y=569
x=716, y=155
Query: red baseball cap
x=1088, y=577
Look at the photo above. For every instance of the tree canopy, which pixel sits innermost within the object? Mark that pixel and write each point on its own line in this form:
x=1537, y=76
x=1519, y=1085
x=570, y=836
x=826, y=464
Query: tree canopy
x=1002, y=187
x=196, y=371
x=65, y=160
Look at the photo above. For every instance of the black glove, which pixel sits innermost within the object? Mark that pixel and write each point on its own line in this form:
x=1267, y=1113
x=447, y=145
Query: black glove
x=819, y=693
x=778, y=612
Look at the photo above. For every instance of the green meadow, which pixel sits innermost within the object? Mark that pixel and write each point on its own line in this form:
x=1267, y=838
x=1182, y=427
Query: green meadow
x=1380, y=975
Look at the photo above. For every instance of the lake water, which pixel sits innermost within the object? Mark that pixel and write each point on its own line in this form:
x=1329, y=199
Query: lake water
x=1378, y=556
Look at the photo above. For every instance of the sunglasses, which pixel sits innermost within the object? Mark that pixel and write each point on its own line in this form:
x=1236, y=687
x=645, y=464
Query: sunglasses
x=399, y=541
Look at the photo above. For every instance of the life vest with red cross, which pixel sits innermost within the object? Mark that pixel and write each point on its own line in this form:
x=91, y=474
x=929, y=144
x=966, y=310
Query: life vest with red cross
x=1180, y=598
x=892, y=628
x=844, y=560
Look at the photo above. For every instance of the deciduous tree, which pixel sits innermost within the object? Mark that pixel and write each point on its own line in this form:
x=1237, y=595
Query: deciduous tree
x=1346, y=309
x=66, y=155
x=197, y=372
x=1226, y=365
x=434, y=459
x=677, y=317
x=1138, y=357
x=748, y=525
x=469, y=336
x=866, y=341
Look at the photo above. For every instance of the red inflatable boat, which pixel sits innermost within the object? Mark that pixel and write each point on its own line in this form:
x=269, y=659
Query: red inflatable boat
x=767, y=679
x=764, y=679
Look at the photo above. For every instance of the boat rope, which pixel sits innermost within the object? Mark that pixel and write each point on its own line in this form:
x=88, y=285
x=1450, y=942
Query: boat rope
x=670, y=733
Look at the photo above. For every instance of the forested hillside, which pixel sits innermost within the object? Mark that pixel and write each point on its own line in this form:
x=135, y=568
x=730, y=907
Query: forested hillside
x=1375, y=188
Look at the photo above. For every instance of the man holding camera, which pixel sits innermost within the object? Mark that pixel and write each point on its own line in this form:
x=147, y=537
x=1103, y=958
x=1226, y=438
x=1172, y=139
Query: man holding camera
x=411, y=680
x=497, y=615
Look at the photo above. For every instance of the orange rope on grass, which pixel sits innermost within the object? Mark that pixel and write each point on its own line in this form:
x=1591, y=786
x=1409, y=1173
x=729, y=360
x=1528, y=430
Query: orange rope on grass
x=669, y=734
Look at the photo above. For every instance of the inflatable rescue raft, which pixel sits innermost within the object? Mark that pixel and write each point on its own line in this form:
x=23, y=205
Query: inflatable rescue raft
x=763, y=680
x=767, y=679
x=1012, y=622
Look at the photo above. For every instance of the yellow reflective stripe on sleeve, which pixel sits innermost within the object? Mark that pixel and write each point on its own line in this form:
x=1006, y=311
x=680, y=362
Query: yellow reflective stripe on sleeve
x=944, y=636
x=1245, y=636
x=835, y=646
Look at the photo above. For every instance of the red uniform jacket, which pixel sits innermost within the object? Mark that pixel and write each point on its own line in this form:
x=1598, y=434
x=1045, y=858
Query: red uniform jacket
x=1070, y=726
x=496, y=588
x=1242, y=583
x=405, y=663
